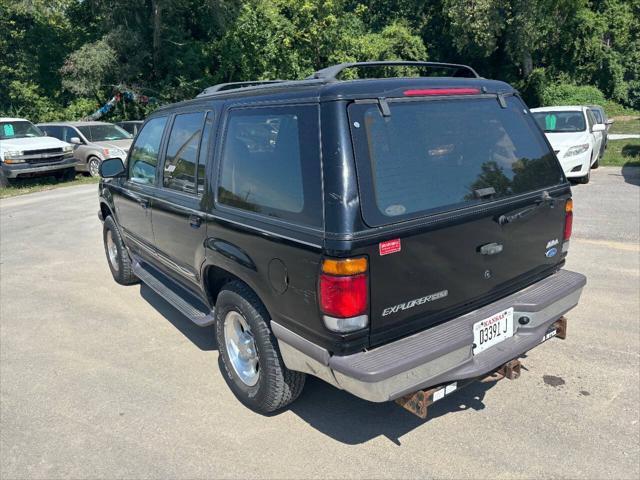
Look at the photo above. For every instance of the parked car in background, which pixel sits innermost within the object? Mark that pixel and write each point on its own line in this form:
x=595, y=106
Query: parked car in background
x=25, y=151
x=131, y=126
x=576, y=138
x=601, y=117
x=94, y=141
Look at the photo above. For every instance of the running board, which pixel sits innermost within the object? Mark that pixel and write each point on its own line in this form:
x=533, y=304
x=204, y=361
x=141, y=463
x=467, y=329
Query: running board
x=179, y=298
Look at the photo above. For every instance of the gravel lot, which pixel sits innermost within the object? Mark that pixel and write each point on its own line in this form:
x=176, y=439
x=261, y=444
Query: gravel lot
x=103, y=381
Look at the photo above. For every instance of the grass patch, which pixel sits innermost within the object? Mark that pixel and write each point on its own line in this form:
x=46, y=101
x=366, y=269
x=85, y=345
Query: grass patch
x=614, y=109
x=21, y=186
x=628, y=124
x=622, y=152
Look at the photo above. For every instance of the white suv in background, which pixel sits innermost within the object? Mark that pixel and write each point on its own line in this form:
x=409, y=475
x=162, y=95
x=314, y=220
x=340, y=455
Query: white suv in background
x=26, y=152
x=576, y=138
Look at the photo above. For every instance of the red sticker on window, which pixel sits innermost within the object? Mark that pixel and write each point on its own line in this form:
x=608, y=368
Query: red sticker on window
x=390, y=246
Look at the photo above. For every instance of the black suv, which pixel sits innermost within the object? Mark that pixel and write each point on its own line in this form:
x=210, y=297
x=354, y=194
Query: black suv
x=383, y=234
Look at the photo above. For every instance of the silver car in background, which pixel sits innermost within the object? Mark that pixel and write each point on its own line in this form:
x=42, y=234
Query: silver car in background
x=94, y=141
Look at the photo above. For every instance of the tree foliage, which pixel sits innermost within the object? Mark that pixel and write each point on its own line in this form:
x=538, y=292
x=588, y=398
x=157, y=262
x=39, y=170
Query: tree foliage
x=69, y=54
x=86, y=70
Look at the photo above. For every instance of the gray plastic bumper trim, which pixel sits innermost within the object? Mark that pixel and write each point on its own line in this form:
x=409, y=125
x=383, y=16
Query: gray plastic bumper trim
x=312, y=350
x=439, y=354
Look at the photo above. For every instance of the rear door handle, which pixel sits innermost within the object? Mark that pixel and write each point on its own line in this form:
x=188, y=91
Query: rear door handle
x=195, y=221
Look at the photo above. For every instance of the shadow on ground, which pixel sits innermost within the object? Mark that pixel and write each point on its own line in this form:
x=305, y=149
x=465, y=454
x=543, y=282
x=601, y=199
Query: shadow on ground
x=201, y=337
x=630, y=173
x=352, y=421
x=333, y=412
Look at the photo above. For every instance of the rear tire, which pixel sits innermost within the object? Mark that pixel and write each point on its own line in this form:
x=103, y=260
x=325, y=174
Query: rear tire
x=256, y=374
x=117, y=255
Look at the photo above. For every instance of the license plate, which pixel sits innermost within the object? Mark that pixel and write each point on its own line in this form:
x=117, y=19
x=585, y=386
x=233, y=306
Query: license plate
x=492, y=330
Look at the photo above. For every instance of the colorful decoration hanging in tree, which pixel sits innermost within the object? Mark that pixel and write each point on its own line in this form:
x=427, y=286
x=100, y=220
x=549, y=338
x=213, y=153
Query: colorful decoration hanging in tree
x=125, y=96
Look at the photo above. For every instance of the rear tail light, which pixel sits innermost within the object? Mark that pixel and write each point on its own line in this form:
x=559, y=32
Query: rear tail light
x=568, y=225
x=347, y=266
x=568, y=219
x=442, y=91
x=344, y=294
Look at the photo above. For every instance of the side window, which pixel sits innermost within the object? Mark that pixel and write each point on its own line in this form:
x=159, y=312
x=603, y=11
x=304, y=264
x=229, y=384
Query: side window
x=590, y=119
x=182, y=152
x=265, y=152
x=143, y=158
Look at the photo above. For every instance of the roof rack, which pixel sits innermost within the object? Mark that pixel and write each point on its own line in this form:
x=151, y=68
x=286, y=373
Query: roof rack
x=331, y=73
x=232, y=85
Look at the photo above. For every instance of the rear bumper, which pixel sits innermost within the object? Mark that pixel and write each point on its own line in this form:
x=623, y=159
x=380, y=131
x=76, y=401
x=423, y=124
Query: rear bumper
x=15, y=170
x=440, y=354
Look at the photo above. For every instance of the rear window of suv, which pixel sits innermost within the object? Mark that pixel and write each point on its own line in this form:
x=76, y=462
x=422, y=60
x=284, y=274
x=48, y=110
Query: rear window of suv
x=430, y=156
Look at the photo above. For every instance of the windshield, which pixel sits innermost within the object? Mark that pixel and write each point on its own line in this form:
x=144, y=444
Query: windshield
x=19, y=129
x=431, y=156
x=101, y=133
x=571, y=121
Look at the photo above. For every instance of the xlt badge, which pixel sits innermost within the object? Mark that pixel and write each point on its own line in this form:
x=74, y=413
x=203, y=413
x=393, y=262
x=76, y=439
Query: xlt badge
x=415, y=302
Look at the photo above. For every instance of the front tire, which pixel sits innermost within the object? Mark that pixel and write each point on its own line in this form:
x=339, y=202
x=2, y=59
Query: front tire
x=117, y=255
x=4, y=181
x=93, y=166
x=585, y=179
x=249, y=355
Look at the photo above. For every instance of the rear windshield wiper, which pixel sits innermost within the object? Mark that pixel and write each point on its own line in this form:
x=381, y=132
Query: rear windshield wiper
x=525, y=212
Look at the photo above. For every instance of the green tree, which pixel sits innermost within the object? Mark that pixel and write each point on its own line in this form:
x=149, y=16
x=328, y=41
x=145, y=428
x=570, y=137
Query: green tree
x=57, y=52
x=287, y=39
x=88, y=70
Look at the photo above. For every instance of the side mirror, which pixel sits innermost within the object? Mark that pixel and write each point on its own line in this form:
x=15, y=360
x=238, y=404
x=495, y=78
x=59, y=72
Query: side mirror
x=598, y=127
x=111, y=168
x=609, y=121
x=75, y=141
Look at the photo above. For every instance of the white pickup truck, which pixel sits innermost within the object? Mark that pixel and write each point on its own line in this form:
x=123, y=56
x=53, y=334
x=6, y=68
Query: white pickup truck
x=25, y=151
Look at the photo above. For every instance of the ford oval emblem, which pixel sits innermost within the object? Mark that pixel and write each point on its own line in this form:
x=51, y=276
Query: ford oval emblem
x=551, y=252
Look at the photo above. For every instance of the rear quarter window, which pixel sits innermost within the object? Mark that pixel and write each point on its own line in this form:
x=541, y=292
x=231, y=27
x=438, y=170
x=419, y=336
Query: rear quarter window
x=270, y=163
x=438, y=155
